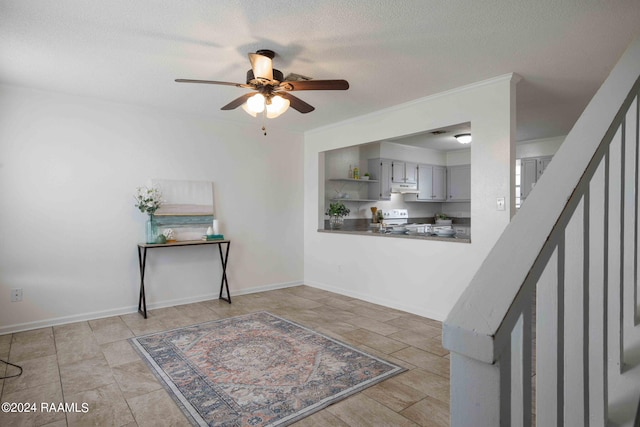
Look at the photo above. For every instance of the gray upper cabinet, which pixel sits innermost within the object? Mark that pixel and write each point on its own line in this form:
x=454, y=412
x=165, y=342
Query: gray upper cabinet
x=459, y=183
x=531, y=169
x=380, y=170
x=411, y=172
x=439, y=186
x=432, y=184
x=543, y=162
x=528, y=176
x=404, y=172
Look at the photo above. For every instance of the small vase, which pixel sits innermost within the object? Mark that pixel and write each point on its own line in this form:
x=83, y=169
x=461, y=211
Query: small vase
x=152, y=230
x=335, y=222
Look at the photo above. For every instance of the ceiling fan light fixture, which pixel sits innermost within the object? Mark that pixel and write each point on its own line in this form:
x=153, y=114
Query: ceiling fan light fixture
x=255, y=104
x=277, y=106
x=269, y=82
x=245, y=107
x=464, y=138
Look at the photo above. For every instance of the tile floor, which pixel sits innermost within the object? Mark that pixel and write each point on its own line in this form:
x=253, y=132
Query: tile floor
x=92, y=362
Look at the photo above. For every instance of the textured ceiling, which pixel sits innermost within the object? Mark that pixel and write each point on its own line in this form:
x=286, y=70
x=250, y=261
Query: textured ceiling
x=390, y=51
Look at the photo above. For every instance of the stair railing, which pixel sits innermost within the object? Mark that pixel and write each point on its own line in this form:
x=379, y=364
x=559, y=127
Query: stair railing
x=534, y=336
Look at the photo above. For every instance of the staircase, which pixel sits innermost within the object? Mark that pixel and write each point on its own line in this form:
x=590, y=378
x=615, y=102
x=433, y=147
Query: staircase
x=547, y=333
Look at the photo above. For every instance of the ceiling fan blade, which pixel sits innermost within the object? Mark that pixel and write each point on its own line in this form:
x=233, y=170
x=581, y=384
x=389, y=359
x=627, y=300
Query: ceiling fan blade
x=238, y=101
x=315, y=85
x=262, y=66
x=297, y=103
x=213, y=82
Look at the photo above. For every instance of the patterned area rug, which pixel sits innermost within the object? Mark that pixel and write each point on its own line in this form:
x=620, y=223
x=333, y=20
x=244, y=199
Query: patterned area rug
x=257, y=370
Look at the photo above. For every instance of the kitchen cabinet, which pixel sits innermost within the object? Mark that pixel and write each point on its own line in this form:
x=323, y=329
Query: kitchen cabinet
x=442, y=184
x=459, y=183
x=528, y=176
x=531, y=169
x=543, y=162
x=380, y=171
x=439, y=183
x=432, y=184
x=404, y=172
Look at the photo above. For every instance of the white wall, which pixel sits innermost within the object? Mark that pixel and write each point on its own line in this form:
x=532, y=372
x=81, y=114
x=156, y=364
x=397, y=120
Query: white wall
x=408, y=153
x=459, y=157
x=420, y=276
x=69, y=167
x=538, y=147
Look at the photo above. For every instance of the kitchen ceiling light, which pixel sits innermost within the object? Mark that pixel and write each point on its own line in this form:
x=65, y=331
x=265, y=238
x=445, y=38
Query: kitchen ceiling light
x=464, y=138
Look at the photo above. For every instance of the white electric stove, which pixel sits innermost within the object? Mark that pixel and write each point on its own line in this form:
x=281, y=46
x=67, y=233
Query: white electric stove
x=396, y=221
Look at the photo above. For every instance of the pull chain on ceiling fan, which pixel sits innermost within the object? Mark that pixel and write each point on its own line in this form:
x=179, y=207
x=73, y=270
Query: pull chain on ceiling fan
x=273, y=97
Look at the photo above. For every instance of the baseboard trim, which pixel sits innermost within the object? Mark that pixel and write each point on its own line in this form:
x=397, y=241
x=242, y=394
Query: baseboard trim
x=386, y=303
x=56, y=321
x=265, y=288
x=21, y=327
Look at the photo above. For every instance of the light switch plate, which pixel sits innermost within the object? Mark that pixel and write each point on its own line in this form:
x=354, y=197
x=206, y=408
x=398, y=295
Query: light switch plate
x=500, y=204
x=16, y=295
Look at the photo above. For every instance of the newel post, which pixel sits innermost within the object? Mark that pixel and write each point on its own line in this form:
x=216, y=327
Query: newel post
x=475, y=392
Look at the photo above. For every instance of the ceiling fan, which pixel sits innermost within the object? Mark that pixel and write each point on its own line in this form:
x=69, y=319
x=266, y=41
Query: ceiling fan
x=273, y=95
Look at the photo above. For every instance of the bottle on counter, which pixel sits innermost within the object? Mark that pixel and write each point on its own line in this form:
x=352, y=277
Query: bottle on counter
x=356, y=173
x=350, y=176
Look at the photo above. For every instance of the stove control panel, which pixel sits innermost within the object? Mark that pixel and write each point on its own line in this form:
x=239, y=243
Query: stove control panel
x=395, y=214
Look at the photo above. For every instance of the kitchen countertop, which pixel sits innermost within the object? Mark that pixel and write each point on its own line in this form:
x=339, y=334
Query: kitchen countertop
x=465, y=239
x=362, y=227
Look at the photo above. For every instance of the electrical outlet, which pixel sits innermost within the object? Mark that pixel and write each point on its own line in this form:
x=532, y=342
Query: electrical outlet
x=500, y=204
x=16, y=295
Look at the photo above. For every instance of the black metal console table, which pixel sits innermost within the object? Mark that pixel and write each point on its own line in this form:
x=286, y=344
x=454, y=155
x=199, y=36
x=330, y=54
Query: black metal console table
x=142, y=261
